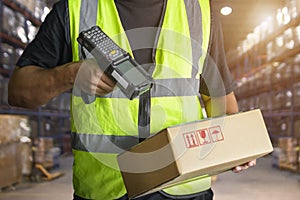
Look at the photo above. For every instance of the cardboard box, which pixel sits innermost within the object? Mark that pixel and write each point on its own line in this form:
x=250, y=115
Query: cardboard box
x=12, y=127
x=288, y=153
x=182, y=152
x=10, y=165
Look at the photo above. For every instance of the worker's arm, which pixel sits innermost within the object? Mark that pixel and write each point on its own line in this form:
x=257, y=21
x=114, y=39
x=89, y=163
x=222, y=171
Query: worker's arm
x=33, y=86
x=217, y=106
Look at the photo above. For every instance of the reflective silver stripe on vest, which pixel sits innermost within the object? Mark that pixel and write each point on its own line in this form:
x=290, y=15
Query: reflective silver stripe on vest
x=175, y=87
x=168, y=88
x=164, y=88
x=102, y=143
x=193, y=11
x=88, y=17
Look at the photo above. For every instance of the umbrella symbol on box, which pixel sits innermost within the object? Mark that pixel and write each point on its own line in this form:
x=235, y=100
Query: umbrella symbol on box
x=216, y=134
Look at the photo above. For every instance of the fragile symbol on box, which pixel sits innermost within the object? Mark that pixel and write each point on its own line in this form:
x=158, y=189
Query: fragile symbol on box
x=191, y=139
x=203, y=137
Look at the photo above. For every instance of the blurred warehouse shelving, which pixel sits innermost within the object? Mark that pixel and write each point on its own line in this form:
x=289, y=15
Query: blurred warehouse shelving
x=49, y=124
x=267, y=68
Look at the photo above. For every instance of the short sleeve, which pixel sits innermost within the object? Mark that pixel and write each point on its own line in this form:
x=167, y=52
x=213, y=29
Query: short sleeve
x=216, y=78
x=51, y=46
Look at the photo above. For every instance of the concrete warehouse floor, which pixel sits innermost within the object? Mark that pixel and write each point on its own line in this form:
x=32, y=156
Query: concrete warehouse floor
x=260, y=183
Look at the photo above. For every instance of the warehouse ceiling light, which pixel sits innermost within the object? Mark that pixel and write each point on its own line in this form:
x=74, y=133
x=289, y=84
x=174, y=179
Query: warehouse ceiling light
x=226, y=10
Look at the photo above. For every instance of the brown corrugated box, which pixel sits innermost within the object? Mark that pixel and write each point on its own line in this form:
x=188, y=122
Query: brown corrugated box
x=182, y=152
x=288, y=157
x=10, y=164
x=42, y=153
x=29, y=4
x=12, y=127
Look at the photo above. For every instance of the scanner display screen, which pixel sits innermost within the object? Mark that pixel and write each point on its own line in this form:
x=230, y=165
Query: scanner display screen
x=130, y=72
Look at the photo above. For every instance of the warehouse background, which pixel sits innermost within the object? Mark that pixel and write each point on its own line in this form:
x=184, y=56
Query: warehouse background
x=262, y=42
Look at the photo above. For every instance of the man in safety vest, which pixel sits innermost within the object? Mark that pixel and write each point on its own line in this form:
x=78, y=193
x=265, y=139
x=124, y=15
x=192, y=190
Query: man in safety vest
x=178, y=42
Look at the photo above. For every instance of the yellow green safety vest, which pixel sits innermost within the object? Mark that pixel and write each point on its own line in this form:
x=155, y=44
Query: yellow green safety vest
x=109, y=125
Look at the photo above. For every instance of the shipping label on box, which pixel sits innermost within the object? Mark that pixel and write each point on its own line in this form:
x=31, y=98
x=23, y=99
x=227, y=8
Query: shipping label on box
x=179, y=153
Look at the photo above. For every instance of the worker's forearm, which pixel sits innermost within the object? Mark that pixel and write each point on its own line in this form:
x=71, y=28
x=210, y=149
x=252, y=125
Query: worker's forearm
x=33, y=86
x=217, y=106
x=231, y=104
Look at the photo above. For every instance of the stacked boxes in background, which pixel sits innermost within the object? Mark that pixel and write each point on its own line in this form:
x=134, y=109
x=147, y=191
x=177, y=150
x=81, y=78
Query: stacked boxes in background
x=16, y=149
x=288, y=39
x=297, y=127
x=288, y=153
x=52, y=127
x=275, y=87
x=10, y=167
x=266, y=66
x=12, y=128
x=67, y=148
x=48, y=124
x=3, y=90
x=45, y=153
x=14, y=158
x=35, y=7
x=41, y=151
x=28, y=4
x=18, y=27
x=296, y=94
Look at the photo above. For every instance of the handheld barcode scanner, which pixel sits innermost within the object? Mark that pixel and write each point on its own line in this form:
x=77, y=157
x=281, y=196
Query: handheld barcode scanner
x=130, y=77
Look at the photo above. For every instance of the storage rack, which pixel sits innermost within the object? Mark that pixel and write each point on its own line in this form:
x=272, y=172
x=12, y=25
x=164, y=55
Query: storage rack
x=272, y=83
x=51, y=120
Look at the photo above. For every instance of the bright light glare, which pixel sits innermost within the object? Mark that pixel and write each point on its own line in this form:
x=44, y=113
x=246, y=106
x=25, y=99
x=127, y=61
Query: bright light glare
x=226, y=10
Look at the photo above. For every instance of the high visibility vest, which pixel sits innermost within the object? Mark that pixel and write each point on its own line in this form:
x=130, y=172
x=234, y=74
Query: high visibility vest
x=109, y=125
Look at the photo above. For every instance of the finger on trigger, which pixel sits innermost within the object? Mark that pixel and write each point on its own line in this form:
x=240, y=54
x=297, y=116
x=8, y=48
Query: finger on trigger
x=107, y=80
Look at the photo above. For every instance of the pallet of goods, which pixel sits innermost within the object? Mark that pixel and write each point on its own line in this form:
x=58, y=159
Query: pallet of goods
x=12, y=129
x=289, y=153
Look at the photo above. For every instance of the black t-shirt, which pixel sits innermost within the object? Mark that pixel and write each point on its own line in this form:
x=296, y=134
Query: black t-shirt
x=52, y=45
